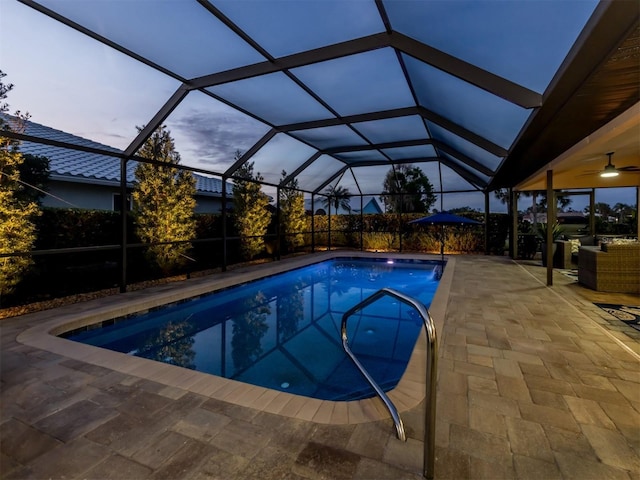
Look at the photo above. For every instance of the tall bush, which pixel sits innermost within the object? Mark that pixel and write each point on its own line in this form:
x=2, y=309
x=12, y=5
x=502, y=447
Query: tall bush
x=251, y=217
x=164, y=203
x=292, y=214
x=17, y=212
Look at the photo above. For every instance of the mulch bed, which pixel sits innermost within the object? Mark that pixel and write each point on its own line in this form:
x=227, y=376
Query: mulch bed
x=83, y=297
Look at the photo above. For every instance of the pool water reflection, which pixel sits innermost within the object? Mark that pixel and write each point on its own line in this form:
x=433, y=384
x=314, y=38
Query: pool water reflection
x=283, y=332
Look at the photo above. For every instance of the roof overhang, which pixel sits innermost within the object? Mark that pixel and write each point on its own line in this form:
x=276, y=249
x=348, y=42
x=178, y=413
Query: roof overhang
x=580, y=166
x=598, y=83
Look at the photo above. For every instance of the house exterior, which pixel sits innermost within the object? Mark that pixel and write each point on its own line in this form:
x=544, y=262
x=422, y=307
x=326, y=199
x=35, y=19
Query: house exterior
x=372, y=206
x=563, y=217
x=92, y=181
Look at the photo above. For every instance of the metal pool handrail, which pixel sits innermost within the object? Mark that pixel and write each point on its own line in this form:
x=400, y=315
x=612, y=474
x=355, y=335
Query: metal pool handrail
x=432, y=356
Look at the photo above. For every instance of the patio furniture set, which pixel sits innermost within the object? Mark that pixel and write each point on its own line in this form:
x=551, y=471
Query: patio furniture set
x=604, y=264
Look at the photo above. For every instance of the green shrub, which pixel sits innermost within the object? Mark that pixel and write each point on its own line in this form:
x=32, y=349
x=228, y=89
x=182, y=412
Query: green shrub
x=498, y=232
x=68, y=227
x=463, y=241
x=381, y=241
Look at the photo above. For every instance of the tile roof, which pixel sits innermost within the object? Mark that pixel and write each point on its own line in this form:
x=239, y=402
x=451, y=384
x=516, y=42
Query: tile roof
x=84, y=166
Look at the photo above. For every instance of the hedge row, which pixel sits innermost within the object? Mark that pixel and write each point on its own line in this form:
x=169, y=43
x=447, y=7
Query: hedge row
x=387, y=231
x=55, y=275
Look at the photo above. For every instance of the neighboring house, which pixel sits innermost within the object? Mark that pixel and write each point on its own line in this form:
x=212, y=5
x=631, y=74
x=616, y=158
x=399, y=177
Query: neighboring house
x=372, y=206
x=571, y=223
x=563, y=217
x=92, y=181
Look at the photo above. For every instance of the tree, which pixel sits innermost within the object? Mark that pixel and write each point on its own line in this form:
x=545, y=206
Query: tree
x=17, y=230
x=416, y=189
x=250, y=209
x=34, y=174
x=292, y=213
x=502, y=194
x=337, y=197
x=164, y=203
x=248, y=329
x=463, y=210
x=173, y=344
x=563, y=201
x=289, y=309
x=623, y=212
x=603, y=210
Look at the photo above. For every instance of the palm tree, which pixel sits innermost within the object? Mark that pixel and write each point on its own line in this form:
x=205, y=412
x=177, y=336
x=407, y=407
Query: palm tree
x=337, y=197
x=623, y=212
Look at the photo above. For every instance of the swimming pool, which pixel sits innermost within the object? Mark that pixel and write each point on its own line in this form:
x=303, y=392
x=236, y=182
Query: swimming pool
x=283, y=332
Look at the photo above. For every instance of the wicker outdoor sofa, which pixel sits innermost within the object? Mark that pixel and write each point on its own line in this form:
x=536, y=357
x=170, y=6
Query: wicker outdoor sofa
x=612, y=267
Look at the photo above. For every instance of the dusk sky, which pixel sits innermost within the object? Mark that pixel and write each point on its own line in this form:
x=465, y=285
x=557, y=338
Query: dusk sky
x=71, y=82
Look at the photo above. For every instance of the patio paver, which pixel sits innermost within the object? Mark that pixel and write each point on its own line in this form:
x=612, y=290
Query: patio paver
x=534, y=382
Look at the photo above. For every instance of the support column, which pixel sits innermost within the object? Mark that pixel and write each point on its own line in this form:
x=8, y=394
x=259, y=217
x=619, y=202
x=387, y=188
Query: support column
x=123, y=225
x=592, y=212
x=313, y=223
x=278, y=232
x=224, y=223
x=329, y=226
x=400, y=222
x=361, y=223
x=638, y=212
x=513, y=215
x=551, y=220
x=486, y=223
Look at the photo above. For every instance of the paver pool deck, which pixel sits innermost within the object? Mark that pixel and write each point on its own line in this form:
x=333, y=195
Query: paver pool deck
x=533, y=382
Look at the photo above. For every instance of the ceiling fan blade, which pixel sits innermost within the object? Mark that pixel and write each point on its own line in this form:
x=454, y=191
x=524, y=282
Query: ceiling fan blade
x=630, y=168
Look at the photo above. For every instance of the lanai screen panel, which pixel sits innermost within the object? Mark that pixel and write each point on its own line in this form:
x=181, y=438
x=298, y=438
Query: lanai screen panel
x=371, y=178
x=452, y=181
x=348, y=182
x=330, y=137
x=286, y=27
x=432, y=171
x=389, y=130
x=275, y=98
x=313, y=177
x=209, y=133
x=465, y=147
x=454, y=163
x=464, y=199
x=370, y=81
x=522, y=41
x=280, y=153
x=362, y=156
x=177, y=35
x=358, y=84
x=475, y=109
x=416, y=152
x=69, y=82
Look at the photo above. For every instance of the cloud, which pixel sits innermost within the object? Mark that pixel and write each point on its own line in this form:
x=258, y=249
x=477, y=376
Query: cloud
x=210, y=139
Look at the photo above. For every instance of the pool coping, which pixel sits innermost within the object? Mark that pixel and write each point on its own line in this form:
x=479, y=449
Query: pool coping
x=409, y=392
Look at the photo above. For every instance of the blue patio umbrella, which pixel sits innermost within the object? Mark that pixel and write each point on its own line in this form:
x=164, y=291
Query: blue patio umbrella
x=443, y=219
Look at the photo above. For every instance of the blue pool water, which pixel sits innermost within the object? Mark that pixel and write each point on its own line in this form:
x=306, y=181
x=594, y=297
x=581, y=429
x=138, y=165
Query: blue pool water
x=283, y=332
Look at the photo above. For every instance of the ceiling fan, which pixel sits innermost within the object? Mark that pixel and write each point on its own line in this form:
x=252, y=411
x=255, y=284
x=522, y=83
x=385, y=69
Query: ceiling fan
x=610, y=169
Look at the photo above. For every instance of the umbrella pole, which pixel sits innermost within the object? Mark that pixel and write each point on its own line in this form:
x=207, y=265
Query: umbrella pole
x=442, y=243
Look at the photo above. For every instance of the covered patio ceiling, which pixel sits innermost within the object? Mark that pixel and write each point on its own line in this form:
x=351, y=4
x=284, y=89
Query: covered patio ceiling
x=581, y=165
x=480, y=94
